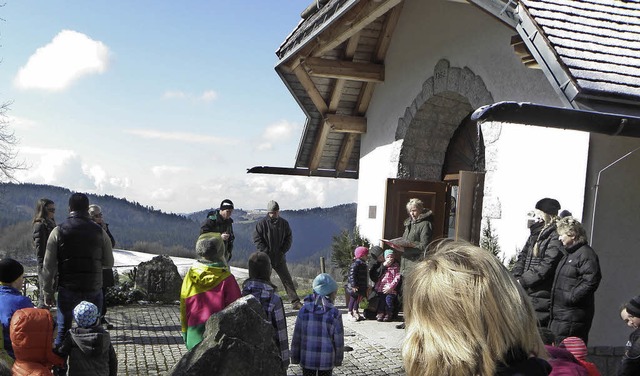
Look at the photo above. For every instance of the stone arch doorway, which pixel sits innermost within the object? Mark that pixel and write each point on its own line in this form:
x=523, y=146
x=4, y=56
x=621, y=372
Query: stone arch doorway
x=440, y=111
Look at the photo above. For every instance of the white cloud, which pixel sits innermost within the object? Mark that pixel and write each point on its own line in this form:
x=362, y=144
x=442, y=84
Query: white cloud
x=67, y=58
x=181, y=136
x=209, y=96
x=21, y=123
x=159, y=171
x=206, y=96
x=279, y=132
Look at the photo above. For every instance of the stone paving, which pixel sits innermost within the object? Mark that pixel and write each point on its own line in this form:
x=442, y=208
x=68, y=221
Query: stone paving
x=147, y=340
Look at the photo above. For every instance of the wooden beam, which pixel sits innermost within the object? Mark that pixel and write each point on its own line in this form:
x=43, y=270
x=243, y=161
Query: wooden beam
x=387, y=32
x=348, y=70
x=349, y=51
x=318, y=147
x=365, y=98
x=348, y=143
x=346, y=124
x=352, y=23
x=311, y=90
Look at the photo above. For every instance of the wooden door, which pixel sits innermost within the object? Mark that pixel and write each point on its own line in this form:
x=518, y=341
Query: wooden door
x=400, y=191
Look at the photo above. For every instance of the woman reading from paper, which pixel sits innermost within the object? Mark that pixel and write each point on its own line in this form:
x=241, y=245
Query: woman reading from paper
x=418, y=229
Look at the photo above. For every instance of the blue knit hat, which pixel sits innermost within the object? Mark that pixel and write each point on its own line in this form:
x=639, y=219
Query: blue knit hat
x=86, y=314
x=324, y=285
x=388, y=252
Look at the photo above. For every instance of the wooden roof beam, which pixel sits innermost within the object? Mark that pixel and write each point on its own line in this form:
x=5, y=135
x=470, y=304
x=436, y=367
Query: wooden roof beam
x=345, y=151
x=321, y=140
x=346, y=124
x=350, y=25
x=311, y=90
x=341, y=69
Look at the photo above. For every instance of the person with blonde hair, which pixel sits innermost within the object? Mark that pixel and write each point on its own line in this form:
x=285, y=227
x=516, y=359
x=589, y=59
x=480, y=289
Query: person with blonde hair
x=467, y=315
x=576, y=280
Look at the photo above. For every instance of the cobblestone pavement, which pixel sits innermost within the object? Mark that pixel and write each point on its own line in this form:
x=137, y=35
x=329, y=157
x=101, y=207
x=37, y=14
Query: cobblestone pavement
x=147, y=340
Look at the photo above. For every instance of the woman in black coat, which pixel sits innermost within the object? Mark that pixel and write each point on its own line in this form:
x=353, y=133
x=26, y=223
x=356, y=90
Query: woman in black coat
x=43, y=223
x=576, y=281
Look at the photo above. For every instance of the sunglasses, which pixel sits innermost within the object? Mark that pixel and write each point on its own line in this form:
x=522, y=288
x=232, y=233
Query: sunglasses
x=51, y=210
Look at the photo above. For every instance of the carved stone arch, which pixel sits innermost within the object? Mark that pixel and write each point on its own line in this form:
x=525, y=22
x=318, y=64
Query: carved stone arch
x=425, y=130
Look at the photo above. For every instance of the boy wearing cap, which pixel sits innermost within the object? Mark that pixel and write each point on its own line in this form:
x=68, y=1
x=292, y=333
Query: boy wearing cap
x=318, y=338
x=259, y=285
x=207, y=288
x=220, y=221
x=88, y=346
x=11, y=299
x=630, y=363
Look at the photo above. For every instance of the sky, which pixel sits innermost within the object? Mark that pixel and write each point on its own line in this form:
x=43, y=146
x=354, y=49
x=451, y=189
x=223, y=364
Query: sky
x=165, y=103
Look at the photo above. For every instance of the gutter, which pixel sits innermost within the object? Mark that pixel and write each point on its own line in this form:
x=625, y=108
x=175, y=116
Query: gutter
x=559, y=118
x=302, y=172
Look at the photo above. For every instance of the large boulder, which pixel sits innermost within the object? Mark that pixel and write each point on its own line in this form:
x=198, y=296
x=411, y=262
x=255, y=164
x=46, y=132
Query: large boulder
x=238, y=341
x=159, y=279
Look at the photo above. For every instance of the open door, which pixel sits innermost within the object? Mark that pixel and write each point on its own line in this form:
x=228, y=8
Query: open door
x=400, y=191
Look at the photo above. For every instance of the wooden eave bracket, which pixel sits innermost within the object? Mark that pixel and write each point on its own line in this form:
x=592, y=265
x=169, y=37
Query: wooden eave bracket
x=346, y=124
x=343, y=69
x=521, y=50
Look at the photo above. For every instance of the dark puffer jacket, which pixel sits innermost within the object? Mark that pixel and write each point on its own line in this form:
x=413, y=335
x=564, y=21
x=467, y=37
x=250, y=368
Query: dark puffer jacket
x=536, y=273
x=89, y=352
x=215, y=223
x=572, y=302
x=41, y=230
x=357, y=278
x=418, y=232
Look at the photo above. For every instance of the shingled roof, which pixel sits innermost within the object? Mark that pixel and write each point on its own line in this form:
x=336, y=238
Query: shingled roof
x=589, y=49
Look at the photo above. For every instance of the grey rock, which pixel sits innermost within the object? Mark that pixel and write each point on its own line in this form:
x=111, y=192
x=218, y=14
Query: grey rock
x=237, y=341
x=159, y=279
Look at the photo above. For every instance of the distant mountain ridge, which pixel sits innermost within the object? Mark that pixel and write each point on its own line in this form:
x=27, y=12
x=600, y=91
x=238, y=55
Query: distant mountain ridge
x=131, y=222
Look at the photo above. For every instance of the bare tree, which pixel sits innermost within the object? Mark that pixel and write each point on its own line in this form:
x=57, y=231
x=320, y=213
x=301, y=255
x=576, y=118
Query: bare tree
x=9, y=163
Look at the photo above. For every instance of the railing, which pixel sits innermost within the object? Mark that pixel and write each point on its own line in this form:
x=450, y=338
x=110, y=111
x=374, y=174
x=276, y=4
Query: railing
x=31, y=287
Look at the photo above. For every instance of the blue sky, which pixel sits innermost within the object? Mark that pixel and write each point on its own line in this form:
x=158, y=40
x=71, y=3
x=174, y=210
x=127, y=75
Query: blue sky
x=161, y=102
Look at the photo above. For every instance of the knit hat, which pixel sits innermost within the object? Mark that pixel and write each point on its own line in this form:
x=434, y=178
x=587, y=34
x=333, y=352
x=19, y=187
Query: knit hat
x=86, y=314
x=388, y=252
x=575, y=346
x=361, y=252
x=210, y=247
x=376, y=251
x=260, y=266
x=226, y=204
x=324, y=285
x=10, y=270
x=565, y=213
x=548, y=205
x=633, y=307
x=272, y=206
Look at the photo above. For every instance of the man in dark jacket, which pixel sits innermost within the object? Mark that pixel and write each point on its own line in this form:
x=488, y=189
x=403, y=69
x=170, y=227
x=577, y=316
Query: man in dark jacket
x=273, y=236
x=537, y=262
x=77, y=250
x=220, y=221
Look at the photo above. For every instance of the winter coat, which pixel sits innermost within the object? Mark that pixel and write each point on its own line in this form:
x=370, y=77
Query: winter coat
x=32, y=338
x=206, y=290
x=89, y=352
x=519, y=363
x=389, y=279
x=273, y=236
x=41, y=230
x=357, y=278
x=11, y=300
x=572, y=302
x=274, y=309
x=77, y=251
x=318, y=337
x=418, y=232
x=107, y=273
x=536, y=273
x=215, y=223
x=630, y=363
x=564, y=363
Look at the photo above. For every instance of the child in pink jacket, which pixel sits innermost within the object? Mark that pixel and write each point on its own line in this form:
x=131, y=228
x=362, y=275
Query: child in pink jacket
x=386, y=286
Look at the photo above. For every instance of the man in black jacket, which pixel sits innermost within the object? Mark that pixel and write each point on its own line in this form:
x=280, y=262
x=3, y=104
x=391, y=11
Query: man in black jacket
x=220, y=221
x=273, y=236
x=77, y=251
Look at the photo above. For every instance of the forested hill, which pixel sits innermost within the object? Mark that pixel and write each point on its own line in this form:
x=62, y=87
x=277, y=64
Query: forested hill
x=132, y=223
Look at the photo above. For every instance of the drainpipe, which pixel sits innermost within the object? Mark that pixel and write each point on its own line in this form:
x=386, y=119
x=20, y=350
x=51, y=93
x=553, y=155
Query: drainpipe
x=595, y=196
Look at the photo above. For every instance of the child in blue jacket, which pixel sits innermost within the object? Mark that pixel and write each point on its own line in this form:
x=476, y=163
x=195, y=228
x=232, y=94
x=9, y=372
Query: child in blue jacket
x=318, y=337
x=11, y=298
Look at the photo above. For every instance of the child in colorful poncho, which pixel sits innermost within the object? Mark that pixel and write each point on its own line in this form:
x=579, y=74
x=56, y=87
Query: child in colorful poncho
x=207, y=288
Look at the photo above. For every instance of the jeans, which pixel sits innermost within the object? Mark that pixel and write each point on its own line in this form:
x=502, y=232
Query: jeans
x=67, y=301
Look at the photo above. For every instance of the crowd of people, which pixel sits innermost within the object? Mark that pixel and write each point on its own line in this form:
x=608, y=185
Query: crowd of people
x=452, y=295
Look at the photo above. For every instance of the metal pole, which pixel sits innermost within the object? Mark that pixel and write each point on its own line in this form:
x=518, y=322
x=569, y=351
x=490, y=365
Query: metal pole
x=322, y=267
x=595, y=196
